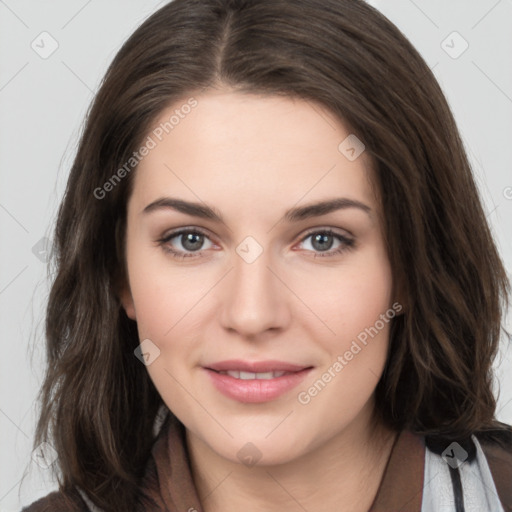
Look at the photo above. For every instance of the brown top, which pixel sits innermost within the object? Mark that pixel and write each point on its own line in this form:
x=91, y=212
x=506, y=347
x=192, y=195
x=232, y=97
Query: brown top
x=169, y=486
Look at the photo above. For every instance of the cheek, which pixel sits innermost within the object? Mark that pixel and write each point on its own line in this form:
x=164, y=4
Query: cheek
x=169, y=302
x=349, y=299
x=165, y=307
x=360, y=315
x=359, y=307
x=162, y=292
x=158, y=307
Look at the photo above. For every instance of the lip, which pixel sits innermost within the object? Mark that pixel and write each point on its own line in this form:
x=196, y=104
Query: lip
x=256, y=366
x=255, y=390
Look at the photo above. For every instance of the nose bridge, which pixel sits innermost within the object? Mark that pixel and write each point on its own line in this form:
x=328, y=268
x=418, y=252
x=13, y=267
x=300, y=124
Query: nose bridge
x=253, y=300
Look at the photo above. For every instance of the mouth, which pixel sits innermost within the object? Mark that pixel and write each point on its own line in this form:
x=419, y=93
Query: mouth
x=238, y=374
x=257, y=367
x=255, y=382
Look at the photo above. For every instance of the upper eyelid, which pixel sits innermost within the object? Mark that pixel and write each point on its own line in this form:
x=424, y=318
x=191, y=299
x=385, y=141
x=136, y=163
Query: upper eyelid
x=179, y=231
x=333, y=231
x=309, y=232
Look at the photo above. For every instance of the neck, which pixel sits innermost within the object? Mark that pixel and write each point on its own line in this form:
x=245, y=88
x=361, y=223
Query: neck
x=341, y=475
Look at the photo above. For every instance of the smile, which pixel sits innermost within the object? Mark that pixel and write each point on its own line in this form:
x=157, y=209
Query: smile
x=250, y=375
x=255, y=387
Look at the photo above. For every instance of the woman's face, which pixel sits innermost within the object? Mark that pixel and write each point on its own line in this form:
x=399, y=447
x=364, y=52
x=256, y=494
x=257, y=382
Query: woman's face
x=254, y=284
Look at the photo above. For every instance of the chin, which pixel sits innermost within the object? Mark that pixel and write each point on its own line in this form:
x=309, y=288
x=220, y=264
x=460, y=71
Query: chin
x=257, y=448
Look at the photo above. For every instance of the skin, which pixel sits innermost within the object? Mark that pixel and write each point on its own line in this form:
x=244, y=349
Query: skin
x=252, y=158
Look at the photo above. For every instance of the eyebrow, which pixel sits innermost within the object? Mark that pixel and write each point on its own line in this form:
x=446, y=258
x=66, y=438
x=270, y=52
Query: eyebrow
x=296, y=214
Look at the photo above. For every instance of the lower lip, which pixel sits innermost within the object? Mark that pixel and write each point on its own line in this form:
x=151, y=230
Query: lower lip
x=256, y=390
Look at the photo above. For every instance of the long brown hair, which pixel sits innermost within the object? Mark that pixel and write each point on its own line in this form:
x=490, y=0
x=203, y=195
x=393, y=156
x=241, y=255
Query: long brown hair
x=98, y=403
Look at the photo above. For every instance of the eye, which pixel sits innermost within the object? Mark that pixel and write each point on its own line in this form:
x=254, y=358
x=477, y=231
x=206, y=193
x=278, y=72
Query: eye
x=322, y=242
x=185, y=243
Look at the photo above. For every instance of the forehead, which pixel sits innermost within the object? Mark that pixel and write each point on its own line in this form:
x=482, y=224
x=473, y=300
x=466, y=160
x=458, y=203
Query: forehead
x=251, y=150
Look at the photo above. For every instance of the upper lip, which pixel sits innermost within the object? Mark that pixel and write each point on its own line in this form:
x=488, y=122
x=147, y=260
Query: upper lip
x=256, y=366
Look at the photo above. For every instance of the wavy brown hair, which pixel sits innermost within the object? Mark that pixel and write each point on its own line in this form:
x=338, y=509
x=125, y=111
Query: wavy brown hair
x=97, y=402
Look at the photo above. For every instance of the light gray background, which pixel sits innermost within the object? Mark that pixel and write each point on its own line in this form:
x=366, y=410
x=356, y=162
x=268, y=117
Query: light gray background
x=42, y=105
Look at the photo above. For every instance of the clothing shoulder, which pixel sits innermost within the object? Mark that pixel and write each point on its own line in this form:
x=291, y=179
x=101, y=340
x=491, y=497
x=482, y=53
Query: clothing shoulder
x=498, y=442
x=58, y=501
x=497, y=446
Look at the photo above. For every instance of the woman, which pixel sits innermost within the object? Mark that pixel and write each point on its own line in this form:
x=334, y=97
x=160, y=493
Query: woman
x=272, y=234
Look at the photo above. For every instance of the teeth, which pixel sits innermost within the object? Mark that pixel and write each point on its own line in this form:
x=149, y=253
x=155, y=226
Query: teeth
x=250, y=375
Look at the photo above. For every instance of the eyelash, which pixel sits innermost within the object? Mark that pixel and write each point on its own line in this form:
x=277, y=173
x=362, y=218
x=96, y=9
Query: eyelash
x=347, y=243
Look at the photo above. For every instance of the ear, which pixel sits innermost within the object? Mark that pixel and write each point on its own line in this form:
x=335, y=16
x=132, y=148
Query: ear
x=121, y=284
x=125, y=296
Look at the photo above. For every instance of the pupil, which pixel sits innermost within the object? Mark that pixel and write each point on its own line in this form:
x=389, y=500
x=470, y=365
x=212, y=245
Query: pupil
x=193, y=241
x=322, y=238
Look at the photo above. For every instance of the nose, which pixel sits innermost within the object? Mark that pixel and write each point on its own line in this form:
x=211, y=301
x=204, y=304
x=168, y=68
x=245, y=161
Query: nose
x=254, y=299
